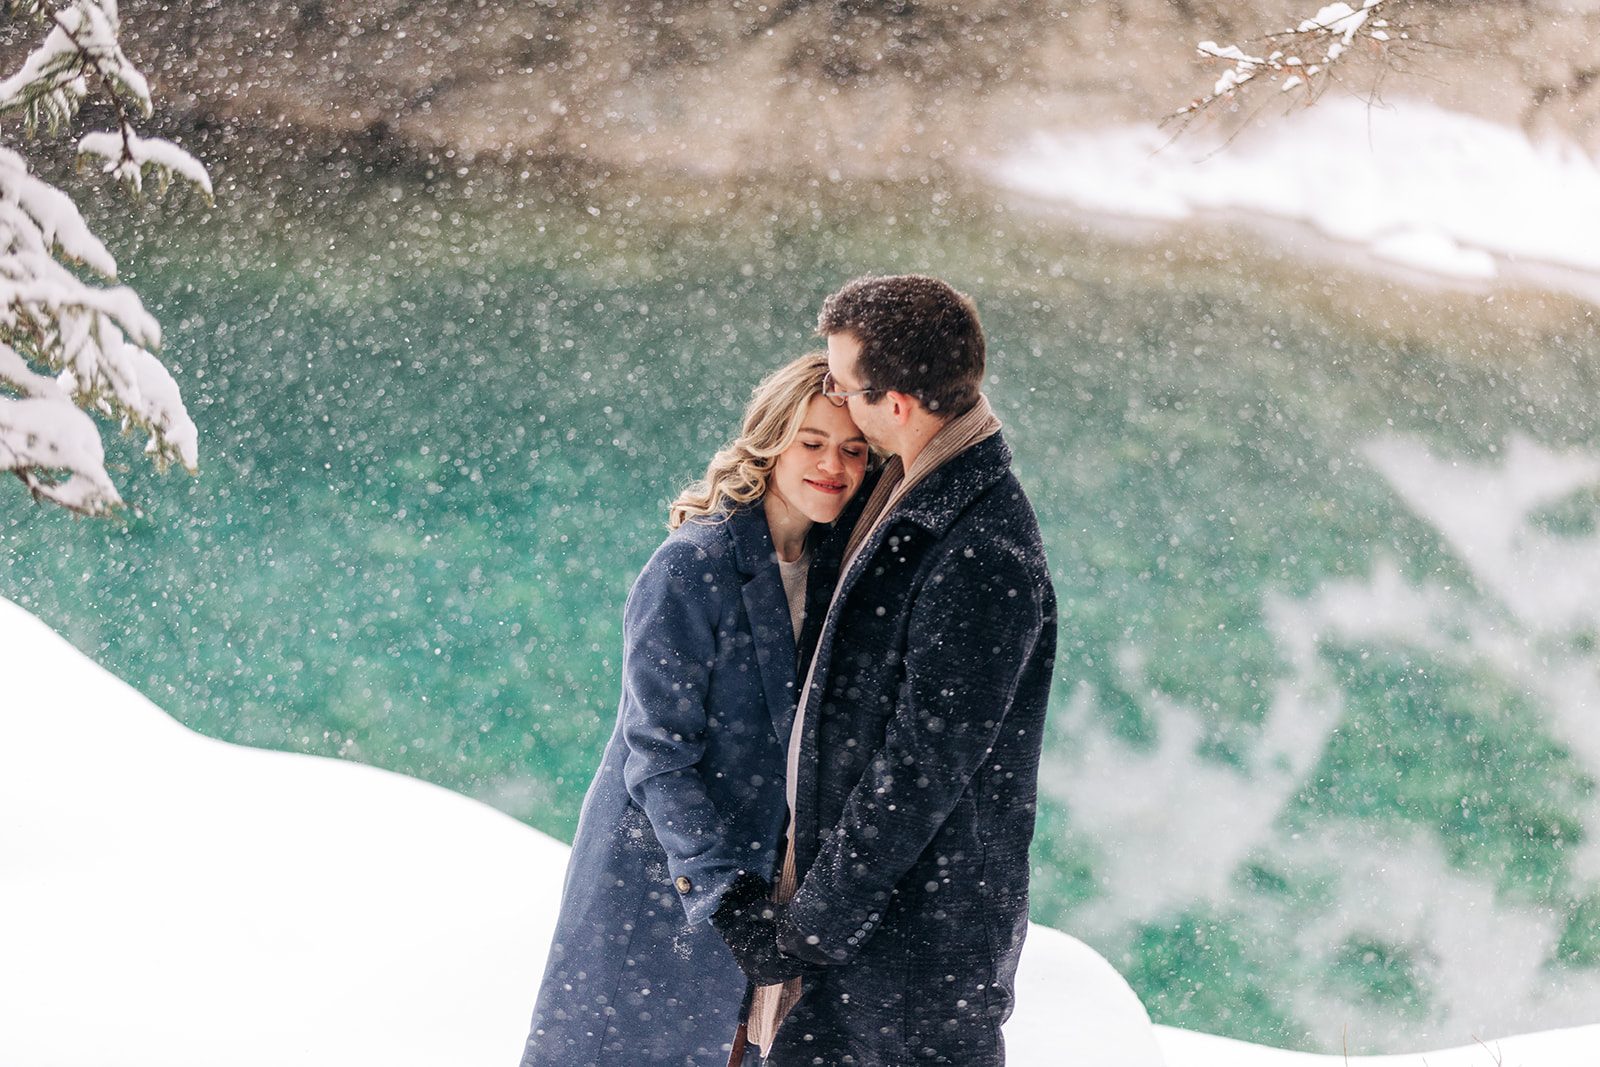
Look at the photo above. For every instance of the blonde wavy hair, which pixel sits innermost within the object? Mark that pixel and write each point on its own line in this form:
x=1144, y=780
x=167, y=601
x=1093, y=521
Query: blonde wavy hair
x=739, y=472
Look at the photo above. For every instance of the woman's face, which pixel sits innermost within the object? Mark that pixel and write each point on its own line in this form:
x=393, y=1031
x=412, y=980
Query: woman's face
x=818, y=474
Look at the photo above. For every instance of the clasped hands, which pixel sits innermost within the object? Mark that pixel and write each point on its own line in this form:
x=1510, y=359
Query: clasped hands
x=767, y=949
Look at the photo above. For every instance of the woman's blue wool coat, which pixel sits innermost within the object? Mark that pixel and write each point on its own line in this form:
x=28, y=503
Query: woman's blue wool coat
x=689, y=793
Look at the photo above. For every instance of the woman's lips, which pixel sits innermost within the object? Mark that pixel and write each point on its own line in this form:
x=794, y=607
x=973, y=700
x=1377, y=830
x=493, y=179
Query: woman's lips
x=826, y=487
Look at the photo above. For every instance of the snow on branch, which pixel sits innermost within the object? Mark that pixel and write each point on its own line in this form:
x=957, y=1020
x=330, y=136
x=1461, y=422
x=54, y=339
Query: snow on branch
x=69, y=348
x=42, y=430
x=82, y=44
x=1305, y=56
x=128, y=156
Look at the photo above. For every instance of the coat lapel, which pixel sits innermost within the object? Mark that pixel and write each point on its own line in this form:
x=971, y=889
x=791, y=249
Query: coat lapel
x=767, y=607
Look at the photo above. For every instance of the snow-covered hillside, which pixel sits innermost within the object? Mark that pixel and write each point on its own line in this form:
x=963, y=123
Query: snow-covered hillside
x=175, y=901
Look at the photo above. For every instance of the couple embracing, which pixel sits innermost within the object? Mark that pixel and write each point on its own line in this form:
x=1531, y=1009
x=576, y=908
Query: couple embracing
x=811, y=825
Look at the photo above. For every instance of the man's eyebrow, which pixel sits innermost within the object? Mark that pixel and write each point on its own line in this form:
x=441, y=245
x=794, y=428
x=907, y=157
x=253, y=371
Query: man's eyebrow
x=825, y=433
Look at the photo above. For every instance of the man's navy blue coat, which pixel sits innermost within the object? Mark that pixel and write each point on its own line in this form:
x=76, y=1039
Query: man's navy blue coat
x=918, y=778
x=690, y=792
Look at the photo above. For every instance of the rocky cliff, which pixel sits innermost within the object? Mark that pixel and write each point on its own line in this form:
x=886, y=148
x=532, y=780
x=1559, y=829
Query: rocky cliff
x=871, y=88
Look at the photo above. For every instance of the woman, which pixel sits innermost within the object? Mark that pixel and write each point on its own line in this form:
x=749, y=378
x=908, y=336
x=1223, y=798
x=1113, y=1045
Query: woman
x=690, y=792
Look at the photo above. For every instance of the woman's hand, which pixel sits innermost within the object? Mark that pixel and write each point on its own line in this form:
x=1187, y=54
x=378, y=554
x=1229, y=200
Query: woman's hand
x=749, y=921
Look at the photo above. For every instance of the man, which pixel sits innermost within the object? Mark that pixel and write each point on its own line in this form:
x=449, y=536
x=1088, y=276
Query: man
x=914, y=762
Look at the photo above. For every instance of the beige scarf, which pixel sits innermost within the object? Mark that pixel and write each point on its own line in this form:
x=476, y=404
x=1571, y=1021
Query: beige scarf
x=772, y=1002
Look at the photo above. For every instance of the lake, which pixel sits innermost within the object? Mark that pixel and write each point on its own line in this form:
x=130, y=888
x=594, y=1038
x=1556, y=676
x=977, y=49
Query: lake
x=1319, y=772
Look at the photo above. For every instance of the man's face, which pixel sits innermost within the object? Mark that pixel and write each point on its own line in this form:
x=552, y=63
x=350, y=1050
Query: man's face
x=843, y=348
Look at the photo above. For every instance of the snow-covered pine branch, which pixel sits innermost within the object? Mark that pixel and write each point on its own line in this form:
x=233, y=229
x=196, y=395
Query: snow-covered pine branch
x=128, y=156
x=69, y=347
x=1305, y=56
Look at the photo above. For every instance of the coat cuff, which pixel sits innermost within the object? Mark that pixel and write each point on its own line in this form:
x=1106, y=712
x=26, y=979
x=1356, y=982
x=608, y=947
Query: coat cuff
x=821, y=930
x=700, y=889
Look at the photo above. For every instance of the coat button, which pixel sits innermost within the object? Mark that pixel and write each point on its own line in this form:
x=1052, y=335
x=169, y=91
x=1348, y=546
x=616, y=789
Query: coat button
x=684, y=885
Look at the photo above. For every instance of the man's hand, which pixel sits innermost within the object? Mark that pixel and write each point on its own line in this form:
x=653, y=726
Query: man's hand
x=748, y=921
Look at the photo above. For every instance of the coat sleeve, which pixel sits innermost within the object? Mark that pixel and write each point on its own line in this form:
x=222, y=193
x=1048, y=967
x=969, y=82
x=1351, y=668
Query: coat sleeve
x=670, y=633
x=972, y=630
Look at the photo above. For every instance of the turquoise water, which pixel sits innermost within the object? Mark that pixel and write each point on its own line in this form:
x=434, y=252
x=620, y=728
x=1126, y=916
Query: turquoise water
x=441, y=417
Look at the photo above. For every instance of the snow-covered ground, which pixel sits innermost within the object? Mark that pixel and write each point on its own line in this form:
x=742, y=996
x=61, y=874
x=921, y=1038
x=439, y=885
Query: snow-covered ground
x=171, y=900
x=1401, y=183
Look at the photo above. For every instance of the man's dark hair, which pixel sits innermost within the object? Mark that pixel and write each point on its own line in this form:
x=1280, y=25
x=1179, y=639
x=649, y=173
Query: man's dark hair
x=918, y=336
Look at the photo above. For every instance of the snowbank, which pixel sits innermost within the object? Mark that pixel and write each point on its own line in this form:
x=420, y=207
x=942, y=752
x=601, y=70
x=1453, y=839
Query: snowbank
x=1448, y=194
x=172, y=900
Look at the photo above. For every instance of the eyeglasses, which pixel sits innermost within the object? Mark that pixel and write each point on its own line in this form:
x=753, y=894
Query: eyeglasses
x=838, y=397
